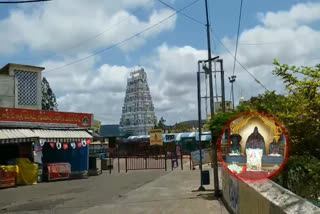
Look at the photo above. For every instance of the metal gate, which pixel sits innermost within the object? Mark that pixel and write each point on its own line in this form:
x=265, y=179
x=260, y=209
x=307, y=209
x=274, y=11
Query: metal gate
x=144, y=163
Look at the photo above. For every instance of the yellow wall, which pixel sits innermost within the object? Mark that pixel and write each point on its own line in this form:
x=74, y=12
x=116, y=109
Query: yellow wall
x=264, y=130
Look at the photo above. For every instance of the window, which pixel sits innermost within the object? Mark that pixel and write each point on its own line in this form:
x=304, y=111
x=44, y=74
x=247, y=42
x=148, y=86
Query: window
x=27, y=87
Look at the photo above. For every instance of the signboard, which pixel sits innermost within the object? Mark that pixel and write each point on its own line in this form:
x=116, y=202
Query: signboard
x=96, y=126
x=39, y=116
x=207, y=156
x=170, y=137
x=156, y=137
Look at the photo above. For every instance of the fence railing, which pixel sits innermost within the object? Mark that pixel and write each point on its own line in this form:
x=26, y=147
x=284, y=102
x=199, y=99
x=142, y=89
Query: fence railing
x=144, y=163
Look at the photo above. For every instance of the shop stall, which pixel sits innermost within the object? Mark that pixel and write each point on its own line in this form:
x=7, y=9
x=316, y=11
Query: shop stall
x=34, y=143
x=98, y=152
x=64, y=151
x=16, y=156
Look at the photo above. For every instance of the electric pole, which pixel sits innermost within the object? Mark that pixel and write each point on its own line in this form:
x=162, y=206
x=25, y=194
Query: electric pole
x=213, y=139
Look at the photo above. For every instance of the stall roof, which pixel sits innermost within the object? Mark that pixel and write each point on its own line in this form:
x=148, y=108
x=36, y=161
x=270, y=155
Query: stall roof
x=48, y=133
x=24, y=135
x=16, y=134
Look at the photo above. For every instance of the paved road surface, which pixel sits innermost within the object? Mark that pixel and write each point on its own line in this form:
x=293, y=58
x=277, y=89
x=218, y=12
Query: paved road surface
x=175, y=192
x=74, y=195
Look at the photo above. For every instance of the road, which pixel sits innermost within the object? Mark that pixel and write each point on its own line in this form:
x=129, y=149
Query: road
x=72, y=196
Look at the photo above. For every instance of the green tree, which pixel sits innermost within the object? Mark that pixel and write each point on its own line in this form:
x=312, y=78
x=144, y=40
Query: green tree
x=181, y=128
x=49, y=101
x=160, y=124
x=299, y=111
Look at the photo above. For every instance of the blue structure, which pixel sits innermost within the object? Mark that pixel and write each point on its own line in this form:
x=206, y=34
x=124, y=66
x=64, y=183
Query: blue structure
x=78, y=157
x=176, y=137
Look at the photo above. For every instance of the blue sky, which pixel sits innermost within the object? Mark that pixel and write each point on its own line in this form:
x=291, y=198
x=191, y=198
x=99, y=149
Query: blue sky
x=223, y=19
x=44, y=32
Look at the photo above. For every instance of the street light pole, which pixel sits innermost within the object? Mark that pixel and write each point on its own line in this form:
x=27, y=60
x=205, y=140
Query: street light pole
x=201, y=188
x=232, y=79
x=222, y=86
x=214, y=144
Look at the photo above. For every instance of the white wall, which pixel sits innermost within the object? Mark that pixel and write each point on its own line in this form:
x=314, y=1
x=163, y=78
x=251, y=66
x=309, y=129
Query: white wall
x=7, y=97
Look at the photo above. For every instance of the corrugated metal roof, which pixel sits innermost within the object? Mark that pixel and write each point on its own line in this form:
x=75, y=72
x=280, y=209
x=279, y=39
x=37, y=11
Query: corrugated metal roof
x=16, y=134
x=47, y=133
x=110, y=131
x=206, y=136
x=26, y=135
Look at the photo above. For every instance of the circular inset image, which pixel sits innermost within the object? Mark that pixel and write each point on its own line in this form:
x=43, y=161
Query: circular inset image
x=253, y=147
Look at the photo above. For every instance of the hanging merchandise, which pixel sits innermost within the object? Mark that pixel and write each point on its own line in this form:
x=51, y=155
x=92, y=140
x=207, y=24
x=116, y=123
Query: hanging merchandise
x=88, y=142
x=79, y=144
x=52, y=144
x=73, y=145
x=41, y=142
x=84, y=143
x=37, y=153
x=58, y=144
x=65, y=146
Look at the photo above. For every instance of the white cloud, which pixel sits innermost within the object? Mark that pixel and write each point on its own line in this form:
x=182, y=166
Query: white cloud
x=293, y=41
x=171, y=76
x=303, y=13
x=86, y=87
x=59, y=24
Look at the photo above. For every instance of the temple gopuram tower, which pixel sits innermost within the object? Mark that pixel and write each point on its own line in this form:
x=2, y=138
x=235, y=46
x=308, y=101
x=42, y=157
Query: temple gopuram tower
x=138, y=116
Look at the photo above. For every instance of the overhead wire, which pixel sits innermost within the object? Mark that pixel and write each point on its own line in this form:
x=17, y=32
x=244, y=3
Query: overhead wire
x=238, y=32
x=220, y=42
x=137, y=34
x=238, y=61
x=264, y=43
x=81, y=43
x=22, y=2
x=125, y=40
x=185, y=15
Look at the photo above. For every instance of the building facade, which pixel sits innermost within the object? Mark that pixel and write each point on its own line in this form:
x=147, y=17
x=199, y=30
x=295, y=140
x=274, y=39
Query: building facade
x=20, y=86
x=138, y=116
x=218, y=106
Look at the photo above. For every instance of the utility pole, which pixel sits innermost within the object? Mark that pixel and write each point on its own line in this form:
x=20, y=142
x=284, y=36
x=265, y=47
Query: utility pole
x=222, y=86
x=214, y=144
x=232, y=79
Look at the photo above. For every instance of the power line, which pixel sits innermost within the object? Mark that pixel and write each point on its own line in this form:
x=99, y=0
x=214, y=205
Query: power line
x=235, y=54
x=238, y=60
x=264, y=43
x=191, y=18
x=21, y=2
x=185, y=15
x=79, y=43
x=125, y=40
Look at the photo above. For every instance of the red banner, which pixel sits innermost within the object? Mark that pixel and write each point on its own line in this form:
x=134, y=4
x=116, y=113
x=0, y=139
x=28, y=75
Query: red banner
x=58, y=171
x=39, y=116
x=8, y=176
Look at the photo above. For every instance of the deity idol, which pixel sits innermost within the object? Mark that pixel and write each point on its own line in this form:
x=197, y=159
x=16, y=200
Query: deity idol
x=256, y=141
x=235, y=143
x=274, y=147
